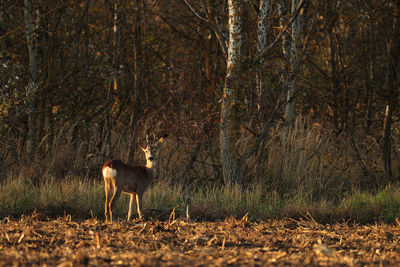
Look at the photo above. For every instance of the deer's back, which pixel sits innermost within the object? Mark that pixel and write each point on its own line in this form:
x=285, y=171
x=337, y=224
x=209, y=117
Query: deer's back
x=133, y=179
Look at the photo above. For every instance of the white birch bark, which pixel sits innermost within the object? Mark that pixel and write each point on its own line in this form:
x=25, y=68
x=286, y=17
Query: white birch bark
x=294, y=59
x=261, y=42
x=229, y=124
x=262, y=31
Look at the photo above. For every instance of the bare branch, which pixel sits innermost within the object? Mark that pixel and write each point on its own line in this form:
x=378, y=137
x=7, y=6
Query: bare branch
x=195, y=12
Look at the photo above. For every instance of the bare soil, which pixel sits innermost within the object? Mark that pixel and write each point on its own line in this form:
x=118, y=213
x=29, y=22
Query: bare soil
x=62, y=242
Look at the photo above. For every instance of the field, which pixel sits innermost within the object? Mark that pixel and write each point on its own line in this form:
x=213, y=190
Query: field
x=64, y=242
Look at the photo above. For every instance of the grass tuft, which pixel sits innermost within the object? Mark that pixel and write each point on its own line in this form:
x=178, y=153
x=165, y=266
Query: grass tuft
x=83, y=199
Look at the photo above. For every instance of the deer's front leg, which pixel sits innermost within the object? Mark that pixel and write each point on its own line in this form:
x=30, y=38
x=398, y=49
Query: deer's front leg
x=131, y=206
x=138, y=200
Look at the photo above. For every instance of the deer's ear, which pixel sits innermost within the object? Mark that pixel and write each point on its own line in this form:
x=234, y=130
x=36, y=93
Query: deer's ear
x=160, y=141
x=144, y=150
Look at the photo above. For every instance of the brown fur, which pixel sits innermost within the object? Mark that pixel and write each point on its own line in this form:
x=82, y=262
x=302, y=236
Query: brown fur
x=133, y=180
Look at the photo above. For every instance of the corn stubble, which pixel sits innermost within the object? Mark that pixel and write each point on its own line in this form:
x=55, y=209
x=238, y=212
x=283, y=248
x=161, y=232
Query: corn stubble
x=64, y=242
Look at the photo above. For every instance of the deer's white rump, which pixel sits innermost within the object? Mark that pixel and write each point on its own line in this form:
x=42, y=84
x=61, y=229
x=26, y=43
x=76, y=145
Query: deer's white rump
x=134, y=180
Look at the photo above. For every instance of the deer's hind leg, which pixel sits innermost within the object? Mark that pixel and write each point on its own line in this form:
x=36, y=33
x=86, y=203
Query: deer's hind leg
x=115, y=197
x=107, y=189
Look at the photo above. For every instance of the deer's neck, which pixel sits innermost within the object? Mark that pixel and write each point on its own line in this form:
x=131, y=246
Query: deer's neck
x=152, y=166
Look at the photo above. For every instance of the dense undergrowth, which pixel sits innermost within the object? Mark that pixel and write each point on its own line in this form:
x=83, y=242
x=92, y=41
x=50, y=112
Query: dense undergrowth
x=316, y=174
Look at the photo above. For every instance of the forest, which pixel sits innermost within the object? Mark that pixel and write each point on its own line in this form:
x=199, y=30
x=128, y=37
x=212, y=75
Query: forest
x=272, y=108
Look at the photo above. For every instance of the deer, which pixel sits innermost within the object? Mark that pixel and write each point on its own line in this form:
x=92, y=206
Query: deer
x=132, y=180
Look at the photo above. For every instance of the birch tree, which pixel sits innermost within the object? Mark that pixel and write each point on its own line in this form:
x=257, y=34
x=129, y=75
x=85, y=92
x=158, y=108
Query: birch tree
x=294, y=62
x=291, y=50
x=32, y=87
x=262, y=31
x=229, y=123
x=261, y=42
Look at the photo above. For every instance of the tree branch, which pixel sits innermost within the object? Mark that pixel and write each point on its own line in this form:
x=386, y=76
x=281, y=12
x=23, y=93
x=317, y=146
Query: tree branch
x=195, y=12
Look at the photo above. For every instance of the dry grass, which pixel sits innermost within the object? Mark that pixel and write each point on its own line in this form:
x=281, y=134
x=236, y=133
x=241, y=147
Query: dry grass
x=314, y=172
x=85, y=199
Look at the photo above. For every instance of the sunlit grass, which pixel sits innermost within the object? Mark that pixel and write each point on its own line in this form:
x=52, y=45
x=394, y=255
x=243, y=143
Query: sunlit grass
x=84, y=199
x=313, y=173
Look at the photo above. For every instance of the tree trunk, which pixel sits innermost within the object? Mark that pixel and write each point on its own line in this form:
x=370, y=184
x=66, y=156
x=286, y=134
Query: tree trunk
x=387, y=145
x=294, y=63
x=32, y=88
x=282, y=22
x=262, y=30
x=116, y=61
x=3, y=17
x=229, y=124
x=261, y=43
x=369, y=78
x=286, y=43
x=86, y=39
x=392, y=84
x=335, y=84
x=134, y=92
x=113, y=103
